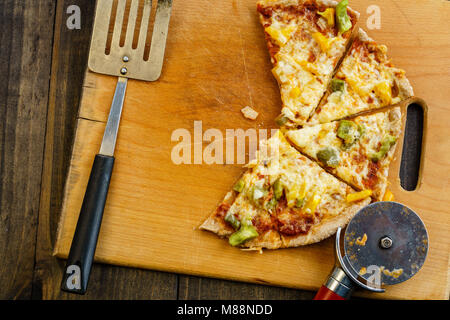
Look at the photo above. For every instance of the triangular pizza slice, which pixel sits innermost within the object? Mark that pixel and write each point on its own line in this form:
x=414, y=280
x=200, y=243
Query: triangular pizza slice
x=283, y=200
x=306, y=40
x=365, y=80
x=358, y=150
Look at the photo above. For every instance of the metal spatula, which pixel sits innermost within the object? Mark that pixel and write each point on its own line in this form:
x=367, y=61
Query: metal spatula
x=123, y=54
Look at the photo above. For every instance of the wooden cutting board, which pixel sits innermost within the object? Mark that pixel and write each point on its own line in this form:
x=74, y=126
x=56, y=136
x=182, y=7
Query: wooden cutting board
x=216, y=63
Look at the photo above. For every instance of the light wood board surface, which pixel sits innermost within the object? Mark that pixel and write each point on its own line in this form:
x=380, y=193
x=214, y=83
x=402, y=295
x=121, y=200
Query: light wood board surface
x=216, y=63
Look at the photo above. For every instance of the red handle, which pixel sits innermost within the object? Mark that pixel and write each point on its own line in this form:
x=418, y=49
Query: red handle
x=326, y=294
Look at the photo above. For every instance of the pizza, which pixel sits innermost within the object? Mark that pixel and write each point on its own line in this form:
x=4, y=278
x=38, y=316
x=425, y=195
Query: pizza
x=283, y=200
x=339, y=129
x=306, y=39
x=365, y=80
x=357, y=151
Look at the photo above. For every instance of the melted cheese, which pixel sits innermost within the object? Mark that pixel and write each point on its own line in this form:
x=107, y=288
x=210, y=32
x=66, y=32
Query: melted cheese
x=280, y=33
x=276, y=159
x=368, y=85
x=304, y=63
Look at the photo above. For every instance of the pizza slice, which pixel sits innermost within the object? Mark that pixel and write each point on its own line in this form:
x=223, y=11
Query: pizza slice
x=358, y=150
x=306, y=40
x=365, y=80
x=283, y=200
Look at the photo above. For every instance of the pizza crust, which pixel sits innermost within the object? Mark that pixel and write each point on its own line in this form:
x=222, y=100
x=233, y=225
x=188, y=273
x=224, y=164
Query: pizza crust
x=326, y=3
x=273, y=240
x=216, y=225
x=326, y=229
x=269, y=240
x=363, y=36
x=395, y=128
x=405, y=88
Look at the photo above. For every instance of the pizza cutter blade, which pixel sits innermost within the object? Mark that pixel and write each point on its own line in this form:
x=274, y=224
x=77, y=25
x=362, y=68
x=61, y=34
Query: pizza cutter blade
x=384, y=244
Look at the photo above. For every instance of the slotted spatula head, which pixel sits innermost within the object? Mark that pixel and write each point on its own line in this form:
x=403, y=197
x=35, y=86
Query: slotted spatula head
x=120, y=38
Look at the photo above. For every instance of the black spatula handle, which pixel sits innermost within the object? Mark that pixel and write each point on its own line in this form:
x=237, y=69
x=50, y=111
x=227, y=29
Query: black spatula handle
x=81, y=256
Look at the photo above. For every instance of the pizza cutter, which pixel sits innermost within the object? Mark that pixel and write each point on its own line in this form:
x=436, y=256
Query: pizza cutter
x=384, y=244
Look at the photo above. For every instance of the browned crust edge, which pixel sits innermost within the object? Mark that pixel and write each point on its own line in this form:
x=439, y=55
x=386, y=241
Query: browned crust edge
x=327, y=228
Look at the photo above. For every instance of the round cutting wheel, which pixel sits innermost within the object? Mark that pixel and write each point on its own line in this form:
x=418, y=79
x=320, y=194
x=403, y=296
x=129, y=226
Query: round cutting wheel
x=386, y=243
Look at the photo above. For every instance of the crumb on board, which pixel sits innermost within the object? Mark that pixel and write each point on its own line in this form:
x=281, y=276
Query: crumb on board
x=394, y=273
x=249, y=113
x=361, y=242
x=260, y=251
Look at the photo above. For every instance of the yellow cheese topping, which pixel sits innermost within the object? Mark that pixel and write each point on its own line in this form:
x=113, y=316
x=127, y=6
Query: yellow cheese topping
x=388, y=196
x=369, y=84
x=355, y=165
x=303, y=65
x=306, y=185
x=352, y=197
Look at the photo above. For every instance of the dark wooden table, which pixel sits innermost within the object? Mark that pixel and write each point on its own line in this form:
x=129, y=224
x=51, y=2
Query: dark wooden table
x=41, y=71
x=42, y=65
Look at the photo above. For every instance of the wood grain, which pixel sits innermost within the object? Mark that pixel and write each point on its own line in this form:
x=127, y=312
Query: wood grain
x=154, y=206
x=197, y=288
x=25, y=58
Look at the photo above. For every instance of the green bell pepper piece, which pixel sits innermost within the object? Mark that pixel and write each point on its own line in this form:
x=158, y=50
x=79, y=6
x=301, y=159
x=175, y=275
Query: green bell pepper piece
x=271, y=204
x=232, y=220
x=350, y=132
x=281, y=120
x=386, y=145
x=245, y=233
x=329, y=157
x=239, y=186
x=342, y=18
x=299, y=203
x=278, y=189
x=337, y=85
